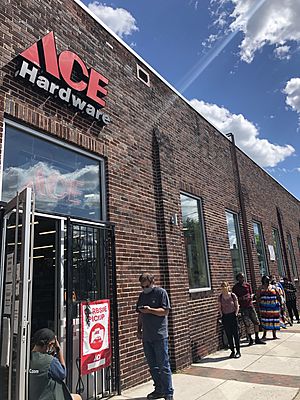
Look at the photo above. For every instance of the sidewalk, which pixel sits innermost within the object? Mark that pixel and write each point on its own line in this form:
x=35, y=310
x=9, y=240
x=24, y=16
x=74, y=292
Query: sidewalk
x=264, y=372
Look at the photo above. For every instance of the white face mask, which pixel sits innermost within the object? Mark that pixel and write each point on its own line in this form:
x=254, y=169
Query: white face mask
x=147, y=290
x=51, y=350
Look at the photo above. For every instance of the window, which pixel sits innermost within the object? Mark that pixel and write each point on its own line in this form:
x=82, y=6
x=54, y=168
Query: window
x=195, y=245
x=64, y=181
x=278, y=253
x=143, y=75
x=235, y=246
x=292, y=256
x=260, y=248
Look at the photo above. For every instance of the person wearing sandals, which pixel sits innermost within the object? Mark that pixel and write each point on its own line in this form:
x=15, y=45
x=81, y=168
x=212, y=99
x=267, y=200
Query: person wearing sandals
x=243, y=291
x=268, y=299
x=229, y=308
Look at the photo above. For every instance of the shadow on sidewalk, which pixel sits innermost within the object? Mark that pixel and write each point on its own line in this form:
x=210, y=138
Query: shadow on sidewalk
x=133, y=398
x=210, y=360
x=138, y=398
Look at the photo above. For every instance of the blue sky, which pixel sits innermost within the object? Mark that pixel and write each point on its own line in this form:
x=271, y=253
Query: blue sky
x=236, y=61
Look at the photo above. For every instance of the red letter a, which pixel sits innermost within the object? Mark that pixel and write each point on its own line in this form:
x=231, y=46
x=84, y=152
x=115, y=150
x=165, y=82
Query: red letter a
x=32, y=54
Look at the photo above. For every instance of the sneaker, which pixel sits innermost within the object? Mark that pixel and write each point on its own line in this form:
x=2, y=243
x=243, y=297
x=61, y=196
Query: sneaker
x=238, y=355
x=232, y=354
x=169, y=397
x=250, y=342
x=155, y=395
x=259, y=341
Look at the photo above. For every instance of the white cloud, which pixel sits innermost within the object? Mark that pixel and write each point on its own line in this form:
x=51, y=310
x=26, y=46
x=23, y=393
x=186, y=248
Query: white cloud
x=282, y=52
x=246, y=134
x=292, y=91
x=263, y=22
x=117, y=19
x=209, y=41
x=298, y=169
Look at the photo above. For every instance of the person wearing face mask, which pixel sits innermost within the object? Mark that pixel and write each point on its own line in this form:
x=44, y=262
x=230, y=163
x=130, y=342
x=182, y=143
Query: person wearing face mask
x=229, y=308
x=47, y=369
x=153, y=307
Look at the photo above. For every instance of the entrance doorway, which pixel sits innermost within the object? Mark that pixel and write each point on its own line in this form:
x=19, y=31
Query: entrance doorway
x=45, y=272
x=71, y=261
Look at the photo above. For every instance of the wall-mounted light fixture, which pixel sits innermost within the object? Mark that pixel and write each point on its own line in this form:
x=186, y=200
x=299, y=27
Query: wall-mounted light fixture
x=174, y=219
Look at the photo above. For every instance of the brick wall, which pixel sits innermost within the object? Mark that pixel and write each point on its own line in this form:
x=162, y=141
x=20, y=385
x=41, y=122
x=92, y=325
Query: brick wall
x=155, y=147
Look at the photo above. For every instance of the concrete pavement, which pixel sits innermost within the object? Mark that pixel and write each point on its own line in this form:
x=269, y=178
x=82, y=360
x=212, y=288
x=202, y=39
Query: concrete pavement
x=264, y=372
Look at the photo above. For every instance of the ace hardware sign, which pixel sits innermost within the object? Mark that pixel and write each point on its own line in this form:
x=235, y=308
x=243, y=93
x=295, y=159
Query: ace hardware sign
x=64, y=76
x=95, y=347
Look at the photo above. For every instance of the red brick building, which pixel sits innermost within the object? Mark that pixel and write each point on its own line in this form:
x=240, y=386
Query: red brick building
x=138, y=161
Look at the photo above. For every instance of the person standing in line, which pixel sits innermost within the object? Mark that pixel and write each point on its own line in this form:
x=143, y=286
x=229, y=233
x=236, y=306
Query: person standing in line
x=268, y=299
x=243, y=292
x=229, y=308
x=291, y=298
x=153, y=307
x=283, y=317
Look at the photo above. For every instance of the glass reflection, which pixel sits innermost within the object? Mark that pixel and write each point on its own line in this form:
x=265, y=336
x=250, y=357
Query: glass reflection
x=234, y=243
x=64, y=181
x=193, y=231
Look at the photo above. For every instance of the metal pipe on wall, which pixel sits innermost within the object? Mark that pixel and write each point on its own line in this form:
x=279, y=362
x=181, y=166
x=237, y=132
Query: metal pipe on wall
x=243, y=210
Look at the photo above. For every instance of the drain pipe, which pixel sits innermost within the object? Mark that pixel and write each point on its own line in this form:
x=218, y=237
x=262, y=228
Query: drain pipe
x=243, y=210
x=287, y=267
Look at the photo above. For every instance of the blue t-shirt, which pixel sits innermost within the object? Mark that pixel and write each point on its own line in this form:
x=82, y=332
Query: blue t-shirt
x=154, y=327
x=56, y=370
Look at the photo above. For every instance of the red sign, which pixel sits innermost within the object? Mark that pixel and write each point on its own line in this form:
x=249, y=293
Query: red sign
x=95, y=352
x=64, y=68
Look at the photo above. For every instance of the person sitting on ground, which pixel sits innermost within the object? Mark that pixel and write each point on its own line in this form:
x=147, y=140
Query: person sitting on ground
x=291, y=299
x=47, y=369
x=268, y=299
x=229, y=308
x=243, y=291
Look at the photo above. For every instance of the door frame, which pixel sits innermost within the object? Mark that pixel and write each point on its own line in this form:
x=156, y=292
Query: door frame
x=22, y=267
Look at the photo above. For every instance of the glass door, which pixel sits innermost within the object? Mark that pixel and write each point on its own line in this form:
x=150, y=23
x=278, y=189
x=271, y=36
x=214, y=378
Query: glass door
x=16, y=292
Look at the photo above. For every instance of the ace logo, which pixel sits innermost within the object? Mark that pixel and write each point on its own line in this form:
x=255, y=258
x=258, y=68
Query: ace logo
x=95, y=346
x=65, y=76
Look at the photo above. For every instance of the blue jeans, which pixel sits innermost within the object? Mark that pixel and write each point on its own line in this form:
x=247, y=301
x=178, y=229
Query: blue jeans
x=157, y=356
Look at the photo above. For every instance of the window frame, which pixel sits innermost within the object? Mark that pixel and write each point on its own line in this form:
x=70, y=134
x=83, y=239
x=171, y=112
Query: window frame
x=254, y=221
x=202, y=222
x=236, y=217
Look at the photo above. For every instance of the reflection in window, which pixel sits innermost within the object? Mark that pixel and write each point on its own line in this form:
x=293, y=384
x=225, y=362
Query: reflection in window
x=64, y=181
x=234, y=238
x=260, y=248
x=292, y=256
x=278, y=253
x=195, y=246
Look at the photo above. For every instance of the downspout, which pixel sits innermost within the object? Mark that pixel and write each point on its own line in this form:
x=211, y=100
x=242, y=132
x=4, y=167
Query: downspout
x=283, y=243
x=243, y=210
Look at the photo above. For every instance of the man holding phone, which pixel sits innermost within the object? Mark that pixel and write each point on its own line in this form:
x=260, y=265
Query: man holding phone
x=153, y=307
